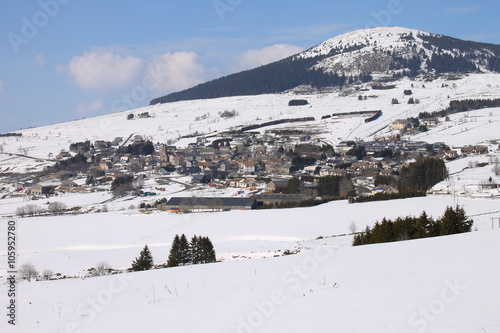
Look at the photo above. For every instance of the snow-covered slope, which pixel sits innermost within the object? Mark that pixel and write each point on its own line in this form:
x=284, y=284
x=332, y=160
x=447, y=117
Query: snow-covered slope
x=444, y=284
x=173, y=120
x=380, y=50
x=366, y=51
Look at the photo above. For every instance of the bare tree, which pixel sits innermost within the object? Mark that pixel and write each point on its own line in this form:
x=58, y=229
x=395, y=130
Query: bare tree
x=101, y=268
x=32, y=210
x=57, y=207
x=353, y=228
x=345, y=187
x=20, y=211
x=47, y=274
x=496, y=167
x=27, y=271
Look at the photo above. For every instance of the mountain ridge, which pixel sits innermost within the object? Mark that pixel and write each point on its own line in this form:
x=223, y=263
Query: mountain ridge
x=350, y=57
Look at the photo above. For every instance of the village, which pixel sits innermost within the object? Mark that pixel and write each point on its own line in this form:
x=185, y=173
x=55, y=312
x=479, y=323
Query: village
x=254, y=168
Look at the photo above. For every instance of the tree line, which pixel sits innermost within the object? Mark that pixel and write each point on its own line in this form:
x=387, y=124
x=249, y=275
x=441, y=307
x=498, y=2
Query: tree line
x=462, y=106
x=422, y=175
x=272, y=78
x=453, y=221
x=199, y=250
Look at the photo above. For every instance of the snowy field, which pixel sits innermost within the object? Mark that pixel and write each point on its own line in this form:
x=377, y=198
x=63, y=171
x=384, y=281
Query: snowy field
x=445, y=284
x=328, y=286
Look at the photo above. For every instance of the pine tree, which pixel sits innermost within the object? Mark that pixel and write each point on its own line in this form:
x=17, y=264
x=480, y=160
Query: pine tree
x=184, y=251
x=465, y=224
x=449, y=223
x=196, y=250
x=173, y=257
x=422, y=226
x=144, y=262
x=207, y=250
x=454, y=221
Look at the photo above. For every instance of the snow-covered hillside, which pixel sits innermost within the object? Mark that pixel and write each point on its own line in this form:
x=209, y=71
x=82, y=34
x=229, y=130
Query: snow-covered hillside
x=440, y=284
x=173, y=120
x=374, y=50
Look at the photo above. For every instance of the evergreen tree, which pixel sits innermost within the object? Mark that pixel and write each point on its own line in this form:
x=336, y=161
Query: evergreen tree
x=422, y=225
x=144, y=262
x=465, y=224
x=184, y=251
x=454, y=221
x=196, y=257
x=293, y=186
x=207, y=250
x=173, y=257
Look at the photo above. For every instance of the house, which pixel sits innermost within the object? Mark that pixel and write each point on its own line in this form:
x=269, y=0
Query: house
x=385, y=190
x=310, y=169
x=200, y=179
x=242, y=183
x=474, y=150
x=67, y=186
x=451, y=154
x=363, y=191
x=338, y=172
x=104, y=165
x=138, y=139
x=226, y=166
x=209, y=203
x=277, y=185
x=80, y=189
x=42, y=189
x=247, y=167
x=177, y=160
x=287, y=168
x=429, y=122
x=191, y=170
x=400, y=124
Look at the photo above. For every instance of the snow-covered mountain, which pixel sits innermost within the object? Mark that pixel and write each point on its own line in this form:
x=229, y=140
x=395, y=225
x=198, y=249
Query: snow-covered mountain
x=358, y=55
x=392, y=50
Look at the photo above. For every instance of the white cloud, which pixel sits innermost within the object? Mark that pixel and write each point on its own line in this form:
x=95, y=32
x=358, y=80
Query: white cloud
x=91, y=108
x=40, y=60
x=103, y=70
x=171, y=72
x=461, y=10
x=255, y=58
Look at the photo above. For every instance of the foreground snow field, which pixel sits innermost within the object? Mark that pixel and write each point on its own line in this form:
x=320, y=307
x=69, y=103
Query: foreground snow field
x=445, y=284
x=448, y=284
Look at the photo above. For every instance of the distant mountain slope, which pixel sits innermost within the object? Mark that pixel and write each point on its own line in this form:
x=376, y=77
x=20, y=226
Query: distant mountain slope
x=351, y=57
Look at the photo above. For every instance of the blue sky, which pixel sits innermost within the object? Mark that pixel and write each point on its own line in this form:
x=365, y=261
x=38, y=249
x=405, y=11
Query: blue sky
x=62, y=60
